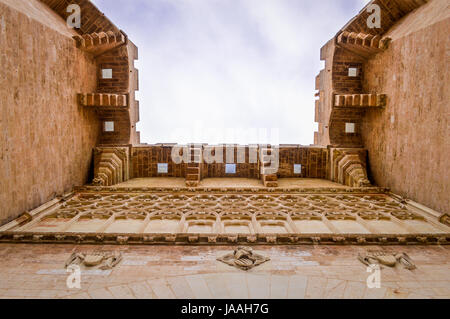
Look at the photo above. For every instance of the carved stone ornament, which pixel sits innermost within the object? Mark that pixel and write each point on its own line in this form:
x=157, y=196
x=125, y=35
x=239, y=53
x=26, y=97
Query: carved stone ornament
x=97, y=182
x=101, y=260
x=243, y=258
x=386, y=259
x=445, y=219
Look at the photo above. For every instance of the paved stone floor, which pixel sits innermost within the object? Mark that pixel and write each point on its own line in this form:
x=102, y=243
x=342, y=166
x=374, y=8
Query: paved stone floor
x=37, y=271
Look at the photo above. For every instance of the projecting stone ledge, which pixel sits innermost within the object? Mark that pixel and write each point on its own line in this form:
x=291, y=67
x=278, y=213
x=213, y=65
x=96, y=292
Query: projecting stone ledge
x=98, y=43
x=362, y=44
x=360, y=100
x=103, y=99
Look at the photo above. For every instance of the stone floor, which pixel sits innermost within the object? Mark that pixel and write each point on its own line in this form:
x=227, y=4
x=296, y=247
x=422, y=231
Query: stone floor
x=37, y=271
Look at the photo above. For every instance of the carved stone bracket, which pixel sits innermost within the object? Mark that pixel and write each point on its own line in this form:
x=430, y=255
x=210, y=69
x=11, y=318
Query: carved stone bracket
x=445, y=219
x=349, y=167
x=99, y=42
x=111, y=166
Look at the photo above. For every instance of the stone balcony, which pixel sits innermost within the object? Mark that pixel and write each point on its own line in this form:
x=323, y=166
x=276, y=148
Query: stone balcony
x=103, y=100
x=360, y=100
x=99, y=43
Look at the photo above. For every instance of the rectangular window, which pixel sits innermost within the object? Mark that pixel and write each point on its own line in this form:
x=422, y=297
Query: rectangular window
x=109, y=126
x=230, y=168
x=106, y=73
x=163, y=168
x=352, y=72
x=349, y=127
x=297, y=168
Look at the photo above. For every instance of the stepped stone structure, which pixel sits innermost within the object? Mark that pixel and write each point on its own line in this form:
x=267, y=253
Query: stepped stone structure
x=178, y=224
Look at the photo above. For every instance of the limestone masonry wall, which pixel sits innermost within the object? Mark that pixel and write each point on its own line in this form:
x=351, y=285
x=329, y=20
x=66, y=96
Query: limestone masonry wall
x=46, y=137
x=314, y=162
x=386, y=90
x=408, y=142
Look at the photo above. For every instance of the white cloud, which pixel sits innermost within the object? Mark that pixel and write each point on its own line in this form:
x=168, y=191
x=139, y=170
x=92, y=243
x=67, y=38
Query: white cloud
x=228, y=64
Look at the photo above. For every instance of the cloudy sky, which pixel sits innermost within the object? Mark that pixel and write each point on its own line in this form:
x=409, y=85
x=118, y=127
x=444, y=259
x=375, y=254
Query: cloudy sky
x=228, y=70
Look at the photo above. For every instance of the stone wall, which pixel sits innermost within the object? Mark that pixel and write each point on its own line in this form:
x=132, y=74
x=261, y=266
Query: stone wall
x=314, y=162
x=193, y=272
x=144, y=162
x=408, y=142
x=398, y=101
x=46, y=137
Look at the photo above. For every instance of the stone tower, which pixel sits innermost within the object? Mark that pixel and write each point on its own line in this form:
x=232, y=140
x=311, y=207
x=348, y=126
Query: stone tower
x=222, y=221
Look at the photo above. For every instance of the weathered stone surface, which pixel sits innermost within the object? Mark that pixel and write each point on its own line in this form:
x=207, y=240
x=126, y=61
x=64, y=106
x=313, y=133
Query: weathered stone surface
x=46, y=139
x=229, y=215
x=390, y=83
x=382, y=91
x=408, y=142
x=318, y=272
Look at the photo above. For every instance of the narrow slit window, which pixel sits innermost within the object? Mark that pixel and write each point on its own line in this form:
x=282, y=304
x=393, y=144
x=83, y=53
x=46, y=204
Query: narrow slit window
x=230, y=168
x=352, y=72
x=107, y=73
x=349, y=128
x=109, y=126
x=163, y=168
x=297, y=168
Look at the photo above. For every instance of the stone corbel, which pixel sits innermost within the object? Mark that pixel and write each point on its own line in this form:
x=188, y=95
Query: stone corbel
x=349, y=167
x=111, y=165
